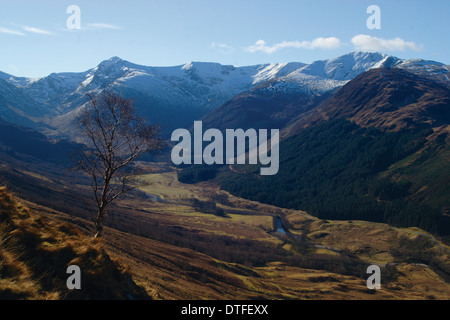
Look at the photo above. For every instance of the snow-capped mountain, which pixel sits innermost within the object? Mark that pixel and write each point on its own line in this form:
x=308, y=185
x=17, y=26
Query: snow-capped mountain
x=17, y=107
x=323, y=76
x=195, y=84
x=390, y=99
x=280, y=101
x=175, y=96
x=172, y=96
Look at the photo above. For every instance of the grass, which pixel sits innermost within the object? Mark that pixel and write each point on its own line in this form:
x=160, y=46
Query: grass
x=372, y=242
x=35, y=253
x=263, y=222
x=166, y=186
x=168, y=271
x=175, y=210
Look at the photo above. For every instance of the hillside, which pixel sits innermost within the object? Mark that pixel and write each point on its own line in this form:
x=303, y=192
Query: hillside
x=332, y=171
x=364, y=179
x=170, y=96
x=176, y=252
x=388, y=99
x=376, y=150
x=264, y=107
x=19, y=108
x=175, y=96
x=20, y=142
x=339, y=86
x=35, y=253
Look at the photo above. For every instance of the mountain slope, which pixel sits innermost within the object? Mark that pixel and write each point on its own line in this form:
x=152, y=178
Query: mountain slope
x=169, y=96
x=281, y=101
x=176, y=96
x=35, y=253
x=18, y=107
x=21, y=142
x=264, y=107
x=335, y=171
x=389, y=99
x=376, y=150
x=275, y=103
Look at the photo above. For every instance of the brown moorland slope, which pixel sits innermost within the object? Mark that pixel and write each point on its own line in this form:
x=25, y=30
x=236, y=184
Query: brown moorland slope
x=388, y=99
x=173, y=272
x=175, y=252
x=35, y=253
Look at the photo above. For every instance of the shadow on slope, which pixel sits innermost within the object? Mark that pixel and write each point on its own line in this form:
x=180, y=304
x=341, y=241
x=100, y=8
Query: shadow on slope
x=35, y=254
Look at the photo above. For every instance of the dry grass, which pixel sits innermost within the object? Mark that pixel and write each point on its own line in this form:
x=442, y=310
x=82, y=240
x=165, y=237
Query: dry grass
x=167, y=271
x=35, y=253
x=419, y=265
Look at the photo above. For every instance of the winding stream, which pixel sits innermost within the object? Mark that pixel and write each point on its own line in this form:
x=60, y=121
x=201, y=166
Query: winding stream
x=279, y=226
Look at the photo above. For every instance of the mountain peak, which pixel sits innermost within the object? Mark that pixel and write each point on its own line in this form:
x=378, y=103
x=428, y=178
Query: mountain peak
x=197, y=87
x=111, y=61
x=348, y=66
x=358, y=57
x=365, y=54
x=112, y=66
x=115, y=59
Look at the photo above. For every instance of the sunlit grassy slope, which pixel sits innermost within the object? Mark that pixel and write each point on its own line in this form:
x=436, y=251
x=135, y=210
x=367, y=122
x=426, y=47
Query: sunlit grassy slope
x=372, y=242
x=175, y=252
x=35, y=253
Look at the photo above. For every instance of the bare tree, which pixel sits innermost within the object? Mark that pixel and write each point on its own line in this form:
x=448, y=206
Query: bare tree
x=115, y=136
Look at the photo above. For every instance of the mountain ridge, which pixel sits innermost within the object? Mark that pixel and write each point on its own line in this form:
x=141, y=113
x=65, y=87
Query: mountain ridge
x=388, y=99
x=176, y=96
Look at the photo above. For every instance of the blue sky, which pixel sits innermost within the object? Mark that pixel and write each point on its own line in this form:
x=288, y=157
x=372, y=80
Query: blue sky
x=35, y=40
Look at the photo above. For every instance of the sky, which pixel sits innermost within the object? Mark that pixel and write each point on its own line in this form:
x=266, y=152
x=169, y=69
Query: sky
x=38, y=38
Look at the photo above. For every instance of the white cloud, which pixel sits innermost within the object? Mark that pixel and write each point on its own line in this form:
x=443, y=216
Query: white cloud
x=321, y=43
x=36, y=30
x=366, y=42
x=10, y=31
x=100, y=25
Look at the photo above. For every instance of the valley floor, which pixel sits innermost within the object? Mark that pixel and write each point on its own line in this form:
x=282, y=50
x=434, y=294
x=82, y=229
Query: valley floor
x=177, y=252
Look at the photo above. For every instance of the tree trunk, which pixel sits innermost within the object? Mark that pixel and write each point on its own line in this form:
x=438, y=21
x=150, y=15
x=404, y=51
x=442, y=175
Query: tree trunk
x=98, y=222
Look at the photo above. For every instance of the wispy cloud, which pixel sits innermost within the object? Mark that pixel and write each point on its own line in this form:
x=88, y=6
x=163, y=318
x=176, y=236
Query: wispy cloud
x=10, y=31
x=222, y=47
x=318, y=43
x=37, y=30
x=366, y=42
x=100, y=25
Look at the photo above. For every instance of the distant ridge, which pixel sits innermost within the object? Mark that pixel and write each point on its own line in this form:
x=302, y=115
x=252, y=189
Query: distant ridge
x=176, y=96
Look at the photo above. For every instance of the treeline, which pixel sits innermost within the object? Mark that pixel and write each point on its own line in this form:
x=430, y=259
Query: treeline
x=331, y=171
x=194, y=174
x=207, y=207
